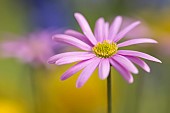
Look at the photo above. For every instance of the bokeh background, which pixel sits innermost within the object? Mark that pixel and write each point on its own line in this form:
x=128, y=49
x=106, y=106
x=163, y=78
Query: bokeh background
x=26, y=88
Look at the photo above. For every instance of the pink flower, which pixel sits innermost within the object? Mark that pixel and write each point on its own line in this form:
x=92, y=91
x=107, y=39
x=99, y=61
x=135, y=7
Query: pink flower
x=34, y=49
x=17, y=49
x=101, y=50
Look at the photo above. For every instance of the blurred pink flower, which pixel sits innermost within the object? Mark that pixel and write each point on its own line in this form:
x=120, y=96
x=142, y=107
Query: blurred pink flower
x=35, y=48
x=140, y=31
x=101, y=50
x=17, y=49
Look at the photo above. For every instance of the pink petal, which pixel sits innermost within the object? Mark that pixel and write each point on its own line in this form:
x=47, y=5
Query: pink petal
x=99, y=29
x=139, y=62
x=85, y=27
x=126, y=74
x=74, y=69
x=126, y=63
x=125, y=31
x=71, y=59
x=54, y=58
x=86, y=73
x=114, y=28
x=104, y=68
x=136, y=41
x=138, y=54
x=78, y=35
x=106, y=31
x=72, y=41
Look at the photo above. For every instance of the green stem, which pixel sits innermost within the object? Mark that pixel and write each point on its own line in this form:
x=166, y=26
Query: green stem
x=109, y=93
x=32, y=76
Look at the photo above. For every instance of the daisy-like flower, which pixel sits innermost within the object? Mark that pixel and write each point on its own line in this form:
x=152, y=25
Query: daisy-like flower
x=101, y=50
x=35, y=49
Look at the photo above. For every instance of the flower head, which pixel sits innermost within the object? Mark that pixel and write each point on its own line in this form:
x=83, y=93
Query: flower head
x=101, y=50
x=34, y=49
x=105, y=49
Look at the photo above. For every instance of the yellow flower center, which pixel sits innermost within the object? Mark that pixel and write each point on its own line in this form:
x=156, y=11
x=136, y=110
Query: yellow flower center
x=105, y=49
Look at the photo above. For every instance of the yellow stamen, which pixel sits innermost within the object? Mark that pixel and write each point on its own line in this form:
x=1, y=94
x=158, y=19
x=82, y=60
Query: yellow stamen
x=105, y=49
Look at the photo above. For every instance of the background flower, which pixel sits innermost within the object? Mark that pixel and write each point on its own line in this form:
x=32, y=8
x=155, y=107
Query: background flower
x=34, y=49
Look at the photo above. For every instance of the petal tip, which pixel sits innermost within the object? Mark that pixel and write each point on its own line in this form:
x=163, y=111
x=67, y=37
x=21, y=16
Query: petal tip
x=160, y=61
x=148, y=70
x=157, y=60
x=152, y=40
x=58, y=62
x=77, y=14
x=155, y=41
x=136, y=71
x=50, y=61
x=119, y=17
x=79, y=85
x=101, y=19
x=130, y=81
x=138, y=22
x=62, y=78
x=54, y=37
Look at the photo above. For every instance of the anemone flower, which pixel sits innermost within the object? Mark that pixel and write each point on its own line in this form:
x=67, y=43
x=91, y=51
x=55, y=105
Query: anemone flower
x=10, y=49
x=33, y=49
x=101, y=50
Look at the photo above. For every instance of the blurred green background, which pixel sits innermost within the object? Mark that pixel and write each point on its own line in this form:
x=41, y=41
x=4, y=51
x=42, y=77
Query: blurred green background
x=149, y=93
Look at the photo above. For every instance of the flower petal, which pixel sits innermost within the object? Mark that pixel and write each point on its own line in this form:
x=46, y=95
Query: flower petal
x=126, y=63
x=99, y=29
x=54, y=58
x=122, y=34
x=78, y=35
x=126, y=74
x=86, y=73
x=72, y=41
x=138, y=54
x=71, y=59
x=114, y=28
x=85, y=27
x=136, y=41
x=74, y=69
x=104, y=68
x=139, y=62
x=106, y=30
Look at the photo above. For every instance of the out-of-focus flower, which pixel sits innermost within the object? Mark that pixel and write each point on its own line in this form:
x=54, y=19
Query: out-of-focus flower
x=17, y=49
x=35, y=48
x=140, y=31
x=101, y=50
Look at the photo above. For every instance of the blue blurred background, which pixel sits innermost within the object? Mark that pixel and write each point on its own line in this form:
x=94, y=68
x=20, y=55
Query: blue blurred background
x=37, y=89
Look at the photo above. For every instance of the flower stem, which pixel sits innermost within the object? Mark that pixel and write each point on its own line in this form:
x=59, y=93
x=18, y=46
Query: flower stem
x=109, y=93
x=33, y=88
